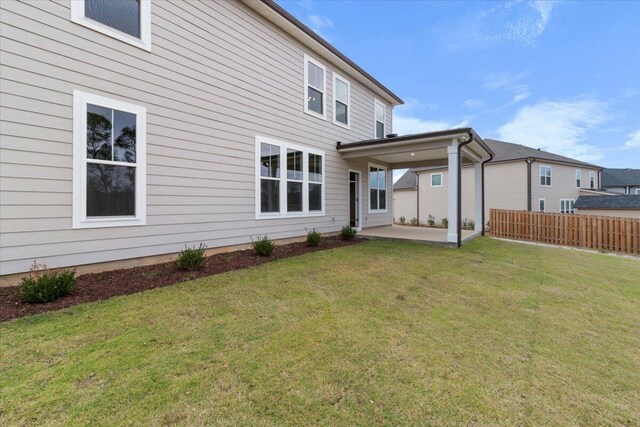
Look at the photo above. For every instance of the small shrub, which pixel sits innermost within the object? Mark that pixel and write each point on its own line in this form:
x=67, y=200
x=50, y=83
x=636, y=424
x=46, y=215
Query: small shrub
x=263, y=245
x=46, y=285
x=445, y=222
x=414, y=221
x=431, y=220
x=192, y=258
x=403, y=220
x=348, y=232
x=471, y=224
x=313, y=237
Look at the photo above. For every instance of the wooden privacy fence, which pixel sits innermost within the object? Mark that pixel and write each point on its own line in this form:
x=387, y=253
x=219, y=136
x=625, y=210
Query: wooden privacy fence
x=584, y=231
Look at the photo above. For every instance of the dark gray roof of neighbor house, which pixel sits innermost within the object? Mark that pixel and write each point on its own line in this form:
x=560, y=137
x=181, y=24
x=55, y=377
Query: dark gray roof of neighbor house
x=505, y=151
x=407, y=181
x=625, y=201
x=620, y=177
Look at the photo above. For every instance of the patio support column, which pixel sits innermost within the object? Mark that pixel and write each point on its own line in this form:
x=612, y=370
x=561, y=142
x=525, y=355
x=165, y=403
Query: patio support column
x=478, y=199
x=452, y=178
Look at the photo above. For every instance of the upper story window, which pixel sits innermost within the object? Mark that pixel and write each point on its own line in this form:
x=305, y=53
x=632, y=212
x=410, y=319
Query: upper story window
x=296, y=191
x=637, y=191
x=125, y=20
x=545, y=176
x=342, y=99
x=436, y=180
x=377, y=188
x=592, y=179
x=109, y=176
x=578, y=178
x=379, y=116
x=314, y=87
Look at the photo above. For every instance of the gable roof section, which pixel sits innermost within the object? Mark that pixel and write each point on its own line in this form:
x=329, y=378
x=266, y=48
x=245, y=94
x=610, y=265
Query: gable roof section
x=276, y=14
x=507, y=151
x=620, y=177
x=408, y=181
x=608, y=202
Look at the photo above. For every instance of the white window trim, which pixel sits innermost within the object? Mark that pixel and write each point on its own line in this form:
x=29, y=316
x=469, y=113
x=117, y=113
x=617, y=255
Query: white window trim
x=578, y=178
x=307, y=60
x=384, y=117
x=348, y=83
x=431, y=180
x=283, y=180
x=545, y=205
x=80, y=220
x=573, y=201
x=386, y=188
x=550, y=176
x=144, y=42
x=637, y=191
x=592, y=177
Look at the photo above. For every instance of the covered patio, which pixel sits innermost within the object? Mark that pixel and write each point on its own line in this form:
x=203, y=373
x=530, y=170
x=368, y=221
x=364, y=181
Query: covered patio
x=451, y=148
x=416, y=234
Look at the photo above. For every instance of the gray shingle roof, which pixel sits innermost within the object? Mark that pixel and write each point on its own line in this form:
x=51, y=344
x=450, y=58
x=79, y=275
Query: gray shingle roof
x=620, y=177
x=508, y=151
x=608, y=202
x=406, y=181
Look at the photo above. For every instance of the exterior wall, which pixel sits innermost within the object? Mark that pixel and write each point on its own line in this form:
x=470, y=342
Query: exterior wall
x=217, y=76
x=563, y=185
x=622, y=190
x=435, y=200
x=405, y=203
x=624, y=213
x=505, y=186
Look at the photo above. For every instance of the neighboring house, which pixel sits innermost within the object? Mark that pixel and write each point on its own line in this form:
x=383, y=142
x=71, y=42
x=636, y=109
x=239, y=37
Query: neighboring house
x=518, y=177
x=626, y=206
x=405, y=202
x=621, y=181
x=131, y=129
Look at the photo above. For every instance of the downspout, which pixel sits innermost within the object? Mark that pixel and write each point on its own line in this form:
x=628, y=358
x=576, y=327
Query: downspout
x=482, y=190
x=417, y=198
x=459, y=195
x=529, y=161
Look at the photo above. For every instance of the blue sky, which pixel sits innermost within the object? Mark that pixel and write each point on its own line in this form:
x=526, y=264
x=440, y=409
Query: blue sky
x=561, y=76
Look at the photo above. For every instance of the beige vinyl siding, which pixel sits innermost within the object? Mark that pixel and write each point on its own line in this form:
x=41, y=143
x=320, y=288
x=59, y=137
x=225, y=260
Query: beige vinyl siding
x=217, y=76
x=620, y=213
x=563, y=184
x=405, y=203
x=505, y=186
x=434, y=200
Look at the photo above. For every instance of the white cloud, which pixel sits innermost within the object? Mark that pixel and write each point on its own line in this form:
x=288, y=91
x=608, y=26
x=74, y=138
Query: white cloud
x=474, y=103
x=404, y=125
x=510, y=83
x=560, y=127
x=634, y=140
x=318, y=22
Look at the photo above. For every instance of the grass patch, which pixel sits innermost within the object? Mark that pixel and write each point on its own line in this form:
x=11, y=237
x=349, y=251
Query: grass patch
x=382, y=332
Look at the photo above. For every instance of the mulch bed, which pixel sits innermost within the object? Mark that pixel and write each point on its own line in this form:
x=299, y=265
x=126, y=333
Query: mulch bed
x=101, y=286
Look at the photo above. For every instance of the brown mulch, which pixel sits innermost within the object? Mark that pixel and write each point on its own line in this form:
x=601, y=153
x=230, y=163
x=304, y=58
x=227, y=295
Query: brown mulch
x=101, y=286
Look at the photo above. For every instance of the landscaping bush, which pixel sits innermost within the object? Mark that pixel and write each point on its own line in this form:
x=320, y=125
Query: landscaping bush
x=431, y=220
x=263, y=245
x=445, y=222
x=192, y=258
x=471, y=224
x=45, y=285
x=402, y=220
x=313, y=238
x=348, y=232
x=414, y=221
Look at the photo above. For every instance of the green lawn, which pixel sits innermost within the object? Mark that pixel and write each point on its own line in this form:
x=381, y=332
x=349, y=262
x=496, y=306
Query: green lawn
x=382, y=332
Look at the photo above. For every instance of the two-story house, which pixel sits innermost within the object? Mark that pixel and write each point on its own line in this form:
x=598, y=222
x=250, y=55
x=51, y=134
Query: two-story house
x=621, y=181
x=518, y=177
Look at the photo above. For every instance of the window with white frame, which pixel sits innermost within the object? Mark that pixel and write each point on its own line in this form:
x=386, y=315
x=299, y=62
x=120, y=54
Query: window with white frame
x=126, y=20
x=578, y=178
x=379, y=116
x=592, y=179
x=545, y=176
x=342, y=99
x=637, y=191
x=109, y=170
x=297, y=191
x=541, y=203
x=377, y=188
x=314, y=87
x=566, y=206
x=436, y=180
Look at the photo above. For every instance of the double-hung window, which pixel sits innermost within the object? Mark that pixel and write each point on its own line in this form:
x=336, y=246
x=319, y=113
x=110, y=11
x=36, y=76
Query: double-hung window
x=126, y=20
x=109, y=176
x=566, y=206
x=545, y=176
x=578, y=178
x=637, y=191
x=541, y=203
x=379, y=116
x=377, y=188
x=296, y=191
x=314, y=87
x=341, y=95
x=592, y=179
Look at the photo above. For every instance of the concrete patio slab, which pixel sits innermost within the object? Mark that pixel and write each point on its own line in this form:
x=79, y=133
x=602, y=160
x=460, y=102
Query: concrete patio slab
x=437, y=236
